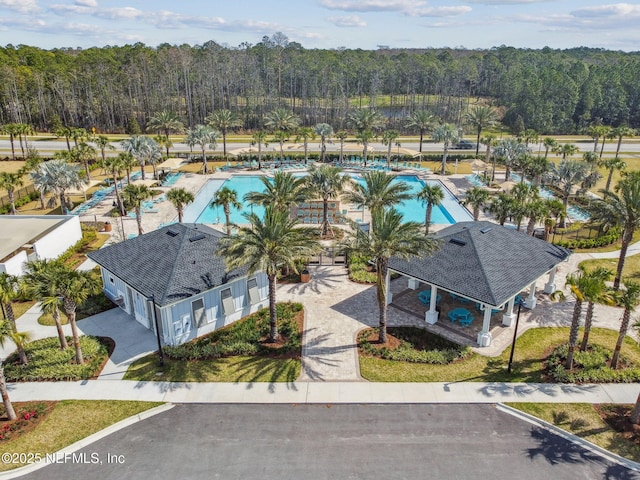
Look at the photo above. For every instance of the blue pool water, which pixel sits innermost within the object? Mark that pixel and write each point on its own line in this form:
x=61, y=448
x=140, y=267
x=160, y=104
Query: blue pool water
x=447, y=213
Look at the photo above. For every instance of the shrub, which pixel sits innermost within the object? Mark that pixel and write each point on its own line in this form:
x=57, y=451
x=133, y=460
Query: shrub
x=602, y=241
x=434, y=351
x=243, y=337
x=589, y=367
x=48, y=362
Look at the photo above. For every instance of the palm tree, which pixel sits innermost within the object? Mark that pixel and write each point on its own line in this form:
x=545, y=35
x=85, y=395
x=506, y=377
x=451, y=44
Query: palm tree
x=341, y=136
x=281, y=136
x=8, y=293
x=259, y=138
x=621, y=208
x=133, y=196
x=622, y=131
x=128, y=162
x=75, y=286
x=39, y=282
x=628, y=299
x=23, y=130
x=282, y=192
x=223, y=120
x=269, y=245
x=281, y=119
x=57, y=176
x=65, y=132
x=477, y=197
x=448, y=134
x=165, y=122
x=180, y=198
x=138, y=146
x=424, y=121
x=607, y=134
x=549, y=144
x=388, y=139
x=536, y=210
x=612, y=164
x=431, y=195
x=102, y=142
x=490, y=141
x=9, y=182
x=8, y=407
x=510, y=150
x=389, y=237
x=11, y=129
x=364, y=137
x=502, y=207
x=596, y=131
x=324, y=131
x=84, y=153
x=583, y=286
x=78, y=134
x=598, y=294
x=566, y=175
x=566, y=150
x=365, y=122
x=326, y=182
x=114, y=166
x=226, y=198
x=481, y=117
x=202, y=135
x=379, y=191
x=305, y=134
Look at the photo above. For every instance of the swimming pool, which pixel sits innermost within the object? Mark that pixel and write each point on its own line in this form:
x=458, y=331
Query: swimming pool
x=200, y=211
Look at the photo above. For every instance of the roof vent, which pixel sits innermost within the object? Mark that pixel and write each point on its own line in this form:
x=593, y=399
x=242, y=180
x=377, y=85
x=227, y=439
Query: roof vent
x=197, y=237
x=457, y=241
x=485, y=230
x=172, y=233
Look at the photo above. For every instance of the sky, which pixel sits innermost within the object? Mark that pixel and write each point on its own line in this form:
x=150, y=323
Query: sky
x=366, y=24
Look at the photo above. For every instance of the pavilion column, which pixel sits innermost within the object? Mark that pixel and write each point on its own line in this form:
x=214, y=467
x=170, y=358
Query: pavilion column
x=387, y=286
x=531, y=300
x=413, y=284
x=550, y=286
x=431, y=316
x=484, y=336
x=508, y=317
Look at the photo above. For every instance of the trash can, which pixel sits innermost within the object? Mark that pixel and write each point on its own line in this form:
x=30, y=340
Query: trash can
x=107, y=226
x=305, y=276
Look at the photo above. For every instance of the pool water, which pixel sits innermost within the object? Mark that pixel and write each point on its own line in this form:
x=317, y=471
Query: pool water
x=449, y=212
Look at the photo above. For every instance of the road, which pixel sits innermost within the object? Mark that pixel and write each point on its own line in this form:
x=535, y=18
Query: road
x=50, y=146
x=315, y=442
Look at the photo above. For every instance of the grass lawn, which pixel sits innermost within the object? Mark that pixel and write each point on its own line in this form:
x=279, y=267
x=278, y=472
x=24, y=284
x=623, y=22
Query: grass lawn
x=531, y=348
x=68, y=422
x=584, y=421
x=631, y=265
x=229, y=369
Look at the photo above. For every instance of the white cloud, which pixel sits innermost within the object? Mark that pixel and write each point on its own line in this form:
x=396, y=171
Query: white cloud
x=86, y=3
x=439, y=11
x=371, y=5
x=124, y=13
x=21, y=6
x=618, y=10
x=506, y=2
x=348, y=21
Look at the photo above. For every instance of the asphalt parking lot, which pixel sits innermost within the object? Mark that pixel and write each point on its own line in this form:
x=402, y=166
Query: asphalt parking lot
x=315, y=442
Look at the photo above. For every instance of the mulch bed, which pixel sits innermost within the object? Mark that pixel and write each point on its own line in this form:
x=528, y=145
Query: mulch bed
x=392, y=342
x=282, y=340
x=618, y=417
x=27, y=425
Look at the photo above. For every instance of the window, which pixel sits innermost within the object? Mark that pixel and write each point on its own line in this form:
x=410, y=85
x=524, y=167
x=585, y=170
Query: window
x=252, y=288
x=227, y=302
x=198, y=311
x=111, y=280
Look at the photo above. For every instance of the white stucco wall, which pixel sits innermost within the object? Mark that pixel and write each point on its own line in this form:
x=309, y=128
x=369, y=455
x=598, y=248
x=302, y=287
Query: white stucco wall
x=59, y=240
x=15, y=265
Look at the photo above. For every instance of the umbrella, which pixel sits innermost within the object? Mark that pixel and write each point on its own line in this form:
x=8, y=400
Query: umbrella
x=507, y=186
x=478, y=165
x=244, y=151
x=407, y=151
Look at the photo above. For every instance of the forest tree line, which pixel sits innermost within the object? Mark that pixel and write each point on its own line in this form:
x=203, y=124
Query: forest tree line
x=117, y=89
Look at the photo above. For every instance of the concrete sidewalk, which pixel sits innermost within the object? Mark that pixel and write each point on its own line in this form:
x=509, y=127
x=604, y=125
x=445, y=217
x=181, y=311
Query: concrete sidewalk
x=325, y=392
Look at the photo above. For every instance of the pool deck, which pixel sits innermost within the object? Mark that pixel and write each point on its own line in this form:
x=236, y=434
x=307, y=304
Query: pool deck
x=164, y=213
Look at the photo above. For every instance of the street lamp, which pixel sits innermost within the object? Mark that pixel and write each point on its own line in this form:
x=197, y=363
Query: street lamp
x=155, y=321
x=515, y=334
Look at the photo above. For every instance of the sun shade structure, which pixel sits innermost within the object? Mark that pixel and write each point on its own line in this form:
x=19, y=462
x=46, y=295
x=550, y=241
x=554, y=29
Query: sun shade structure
x=485, y=263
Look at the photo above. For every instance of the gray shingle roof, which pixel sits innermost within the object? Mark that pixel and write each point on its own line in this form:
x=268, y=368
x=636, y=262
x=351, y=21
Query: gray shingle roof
x=485, y=261
x=171, y=263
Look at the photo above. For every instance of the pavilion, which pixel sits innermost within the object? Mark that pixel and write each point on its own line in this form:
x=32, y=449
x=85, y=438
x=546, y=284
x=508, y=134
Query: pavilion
x=484, y=263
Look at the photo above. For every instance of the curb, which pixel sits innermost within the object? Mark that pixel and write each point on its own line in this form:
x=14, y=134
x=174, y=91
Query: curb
x=74, y=447
x=612, y=457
